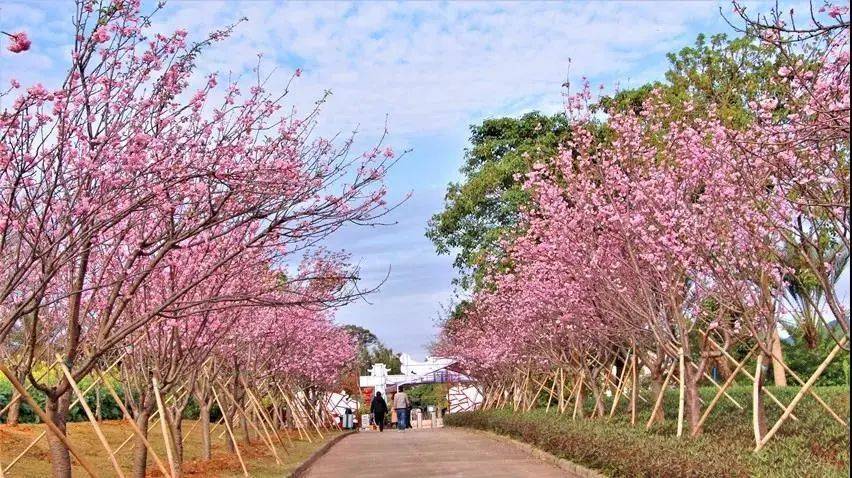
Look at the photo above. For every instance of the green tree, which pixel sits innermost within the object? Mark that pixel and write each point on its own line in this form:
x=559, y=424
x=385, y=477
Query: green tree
x=485, y=206
x=428, y=394
x=372, y=351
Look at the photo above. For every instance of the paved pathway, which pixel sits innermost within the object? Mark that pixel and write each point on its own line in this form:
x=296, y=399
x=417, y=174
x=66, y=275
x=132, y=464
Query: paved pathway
x=444, y=452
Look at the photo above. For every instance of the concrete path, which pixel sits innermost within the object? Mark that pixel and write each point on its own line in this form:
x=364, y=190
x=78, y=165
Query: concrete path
x=444, y=452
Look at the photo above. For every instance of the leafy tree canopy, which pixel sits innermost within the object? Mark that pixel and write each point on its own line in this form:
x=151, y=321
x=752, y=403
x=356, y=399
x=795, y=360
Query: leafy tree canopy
x=372, y=351
x=484, y=207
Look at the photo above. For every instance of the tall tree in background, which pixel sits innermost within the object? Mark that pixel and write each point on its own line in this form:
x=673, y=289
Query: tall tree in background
x=372, y=351
x=485, y=206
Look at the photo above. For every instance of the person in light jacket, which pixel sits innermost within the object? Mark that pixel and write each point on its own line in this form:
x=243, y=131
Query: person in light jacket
x=401, y=404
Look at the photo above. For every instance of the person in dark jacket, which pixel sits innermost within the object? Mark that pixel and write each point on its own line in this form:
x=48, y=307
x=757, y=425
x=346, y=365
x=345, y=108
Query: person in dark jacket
x=378, y=408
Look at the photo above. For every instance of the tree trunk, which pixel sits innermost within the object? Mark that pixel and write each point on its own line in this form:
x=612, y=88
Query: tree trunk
x=692, y=402
x=758, y=412
x=140, y=452
x=778, y=375
x=176, y=431
x=204, y=417
x=13, y=415
x=60, y=457
x=245, y=427
x=232, y=448
x=657, y=379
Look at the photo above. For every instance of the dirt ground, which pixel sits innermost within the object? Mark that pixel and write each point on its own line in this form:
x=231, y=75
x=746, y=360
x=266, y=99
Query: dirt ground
x=259, y=459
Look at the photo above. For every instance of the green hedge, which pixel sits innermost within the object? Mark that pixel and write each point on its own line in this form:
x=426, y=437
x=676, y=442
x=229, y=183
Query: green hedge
x=109, y=409
x=815, y=445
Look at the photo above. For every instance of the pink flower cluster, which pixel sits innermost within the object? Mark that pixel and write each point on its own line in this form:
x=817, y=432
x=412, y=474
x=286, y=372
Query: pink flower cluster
x=672, y=226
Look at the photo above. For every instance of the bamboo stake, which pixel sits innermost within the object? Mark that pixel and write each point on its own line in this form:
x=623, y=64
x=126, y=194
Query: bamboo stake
x=680, y=407
x=799, y=396
x=248, y=419
x=293, y=410
x=755, y=397
x=21, y=455
x=134, y=426
x=91, y=416
x=751, y=377
x=43, y=433
x=17, y=398
x=550, y=396
x=270, y=395
x=659, y=400
x=164, y=427
x=308, y=414
x=812, y=392
x=577, y=402
x=716, y=384
x=618, y=388
x=47, y=421
x=634, y=387
x=724, y=387
x=262, y=411
x=154, y=423
x=230, y=432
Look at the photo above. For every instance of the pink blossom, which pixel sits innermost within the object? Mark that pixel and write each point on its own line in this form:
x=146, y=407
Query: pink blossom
x=19, y=42
x=100, y=35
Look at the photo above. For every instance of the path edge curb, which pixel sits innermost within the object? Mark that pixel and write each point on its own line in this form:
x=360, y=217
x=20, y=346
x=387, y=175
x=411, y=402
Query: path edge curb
x=302, y=469
x=561, y=463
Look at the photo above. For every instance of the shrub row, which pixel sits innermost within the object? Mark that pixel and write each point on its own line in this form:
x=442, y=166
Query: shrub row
x=109, y=409
x=814, y=445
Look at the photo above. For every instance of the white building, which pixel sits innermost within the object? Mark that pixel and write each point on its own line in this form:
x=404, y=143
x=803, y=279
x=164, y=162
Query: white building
x=432, y=370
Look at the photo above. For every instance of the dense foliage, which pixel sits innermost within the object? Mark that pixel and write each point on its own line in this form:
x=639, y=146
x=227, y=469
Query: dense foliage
x=678, y=229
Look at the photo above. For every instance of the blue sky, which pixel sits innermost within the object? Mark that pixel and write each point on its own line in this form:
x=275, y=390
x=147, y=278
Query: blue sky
x=432, y=69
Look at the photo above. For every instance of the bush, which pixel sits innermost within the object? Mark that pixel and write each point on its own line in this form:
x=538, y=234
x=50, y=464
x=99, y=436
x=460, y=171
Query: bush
x=109, y=409
x=815, y=445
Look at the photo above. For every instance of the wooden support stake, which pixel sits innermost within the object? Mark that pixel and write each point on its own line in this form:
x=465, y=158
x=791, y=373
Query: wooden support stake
x=47, y=421
x=277, y=405
x=248, y=420
x=293, y=411
x=682, y=367
x=151, y=424
x=618, y=390
x=134, y=426
x=230, y=432
x=634, y=387
x=799, y=396
x=722, y=389
x=659, y=401
x=91, y=416
x=578, y=405
x=164, y=426
x=812, y=392
x=262, y=412
x=750, y=376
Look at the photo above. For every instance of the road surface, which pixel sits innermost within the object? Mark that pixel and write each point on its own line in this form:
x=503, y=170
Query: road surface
x=444, y=452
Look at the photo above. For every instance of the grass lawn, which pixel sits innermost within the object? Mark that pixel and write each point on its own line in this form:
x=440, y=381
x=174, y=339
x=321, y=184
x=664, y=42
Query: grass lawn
x=814, y=445
x=259, y=460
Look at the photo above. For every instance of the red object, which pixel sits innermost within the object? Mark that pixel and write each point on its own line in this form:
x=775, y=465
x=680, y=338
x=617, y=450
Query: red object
x=367, y=392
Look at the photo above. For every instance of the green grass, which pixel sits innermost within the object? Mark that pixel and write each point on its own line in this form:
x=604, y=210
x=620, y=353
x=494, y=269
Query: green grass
x=814, y=445
x=259, y=460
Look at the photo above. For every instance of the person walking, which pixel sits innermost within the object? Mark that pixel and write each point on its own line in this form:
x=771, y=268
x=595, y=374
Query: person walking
x=378, y=407
x=401, y=403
